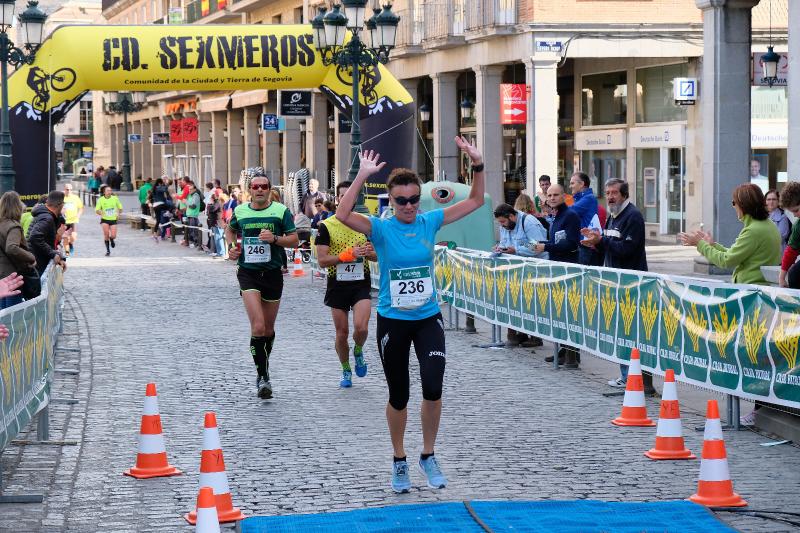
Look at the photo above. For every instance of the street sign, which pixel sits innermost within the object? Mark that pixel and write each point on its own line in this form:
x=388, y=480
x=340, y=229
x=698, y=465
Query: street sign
x=295, y=104
x=345, y=124
x=269, y=122
x=549, y=46
x=684, y=91
x=513, y=103
x=160, y=138
x=134, y=138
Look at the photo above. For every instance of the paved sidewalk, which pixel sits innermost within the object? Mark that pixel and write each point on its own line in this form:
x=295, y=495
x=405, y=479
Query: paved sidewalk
x=512, y=427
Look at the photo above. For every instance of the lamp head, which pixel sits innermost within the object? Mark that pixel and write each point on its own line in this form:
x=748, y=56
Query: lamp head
x=32, y=22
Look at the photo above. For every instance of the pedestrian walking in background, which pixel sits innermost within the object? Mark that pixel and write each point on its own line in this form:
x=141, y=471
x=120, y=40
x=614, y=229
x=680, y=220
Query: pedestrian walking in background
x=42, y=235
x=519, y=234
x=622, y=245
x=15, y=257
x=778, y=216
x=757, y=245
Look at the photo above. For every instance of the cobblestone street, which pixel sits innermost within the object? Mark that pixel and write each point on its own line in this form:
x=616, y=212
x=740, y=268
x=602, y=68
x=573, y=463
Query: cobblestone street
x=512, y=427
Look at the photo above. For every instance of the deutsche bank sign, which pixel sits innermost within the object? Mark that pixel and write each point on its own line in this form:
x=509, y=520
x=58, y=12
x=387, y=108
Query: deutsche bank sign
x=685, y=91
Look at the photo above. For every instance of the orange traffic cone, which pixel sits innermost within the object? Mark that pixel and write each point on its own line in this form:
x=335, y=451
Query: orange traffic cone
x=151, y=461
x=297, y=270
x=634, y=411
x=212, y=474
x=207, y=521
x=669, y=435
x=714, y=487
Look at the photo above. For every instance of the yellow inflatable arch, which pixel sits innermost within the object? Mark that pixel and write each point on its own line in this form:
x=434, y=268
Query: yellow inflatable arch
x=76, y=59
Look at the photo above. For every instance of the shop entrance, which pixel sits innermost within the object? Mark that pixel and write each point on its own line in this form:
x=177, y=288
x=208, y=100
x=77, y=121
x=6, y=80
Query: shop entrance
x=660, y=188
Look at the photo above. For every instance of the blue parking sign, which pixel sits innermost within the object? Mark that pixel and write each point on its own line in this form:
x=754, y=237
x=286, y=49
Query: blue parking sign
x=269, y=122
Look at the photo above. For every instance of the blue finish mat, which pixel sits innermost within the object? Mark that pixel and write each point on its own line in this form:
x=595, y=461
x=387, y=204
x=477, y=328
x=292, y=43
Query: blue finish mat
x=496, y=516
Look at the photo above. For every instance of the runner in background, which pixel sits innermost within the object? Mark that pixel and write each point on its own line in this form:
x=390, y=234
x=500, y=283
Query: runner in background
x=266, y=228
x=346, y=255
x=73, y=209
x=408, y=310
x=109, y=208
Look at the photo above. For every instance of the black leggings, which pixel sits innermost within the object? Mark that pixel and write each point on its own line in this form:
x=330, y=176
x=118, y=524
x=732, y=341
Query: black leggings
x=394, y=344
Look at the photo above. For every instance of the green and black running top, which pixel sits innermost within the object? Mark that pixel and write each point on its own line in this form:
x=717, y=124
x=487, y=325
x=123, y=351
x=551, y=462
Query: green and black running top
x=257, y=254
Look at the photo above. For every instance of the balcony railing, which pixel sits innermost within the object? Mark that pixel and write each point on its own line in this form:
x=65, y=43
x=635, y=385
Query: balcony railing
x=484, y=14
x=443, y=20
x=411, y=29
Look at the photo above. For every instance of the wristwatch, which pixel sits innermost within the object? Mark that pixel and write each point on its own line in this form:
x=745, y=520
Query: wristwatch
x=274, y=239
x=477, y=168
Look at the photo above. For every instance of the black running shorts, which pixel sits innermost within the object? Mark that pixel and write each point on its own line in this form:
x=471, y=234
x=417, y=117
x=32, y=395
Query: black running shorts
x=268, y=282
x=109, y=222
x=346, y=297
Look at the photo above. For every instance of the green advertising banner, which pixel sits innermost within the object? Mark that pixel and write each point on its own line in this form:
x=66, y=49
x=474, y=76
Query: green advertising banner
x=735, y=339
x=26, y=356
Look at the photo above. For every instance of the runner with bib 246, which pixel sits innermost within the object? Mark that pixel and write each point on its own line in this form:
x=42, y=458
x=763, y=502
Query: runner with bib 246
x=266, y=228
x=408, y=310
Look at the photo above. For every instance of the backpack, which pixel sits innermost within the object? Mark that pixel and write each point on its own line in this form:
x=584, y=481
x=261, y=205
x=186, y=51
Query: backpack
x=200, y=201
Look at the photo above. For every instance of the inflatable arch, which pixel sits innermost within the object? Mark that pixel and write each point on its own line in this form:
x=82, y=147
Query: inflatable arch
x=76, y=59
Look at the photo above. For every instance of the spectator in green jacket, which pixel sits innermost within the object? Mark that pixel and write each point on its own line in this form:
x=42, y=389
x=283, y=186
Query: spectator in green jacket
x=758, y=244
x=144, y=190
x=194, y=204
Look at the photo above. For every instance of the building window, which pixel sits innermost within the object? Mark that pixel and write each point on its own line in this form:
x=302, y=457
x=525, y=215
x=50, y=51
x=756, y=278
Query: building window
x=655, y=100
x=86, y=115
x=604, y=99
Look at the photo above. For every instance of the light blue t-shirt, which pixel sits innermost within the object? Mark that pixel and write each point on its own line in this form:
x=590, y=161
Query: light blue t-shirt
x=404, y=246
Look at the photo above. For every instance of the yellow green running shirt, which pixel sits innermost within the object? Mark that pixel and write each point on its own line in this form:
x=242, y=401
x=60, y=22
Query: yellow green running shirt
x=257, y=254
x=109, y=207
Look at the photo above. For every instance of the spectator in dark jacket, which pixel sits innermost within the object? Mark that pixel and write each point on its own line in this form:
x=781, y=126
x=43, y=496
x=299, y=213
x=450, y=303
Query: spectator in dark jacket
x=565, y=230
x=14, y=254
x=44, y=229
x=586, y=207
x=622, y=244
x=562, y=245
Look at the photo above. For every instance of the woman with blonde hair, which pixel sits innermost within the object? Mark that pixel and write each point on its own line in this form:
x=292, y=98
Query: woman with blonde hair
x=525, y=204
x=15, y=257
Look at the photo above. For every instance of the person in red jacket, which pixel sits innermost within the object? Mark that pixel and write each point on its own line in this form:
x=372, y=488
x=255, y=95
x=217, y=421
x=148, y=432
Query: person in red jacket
x=790, y=270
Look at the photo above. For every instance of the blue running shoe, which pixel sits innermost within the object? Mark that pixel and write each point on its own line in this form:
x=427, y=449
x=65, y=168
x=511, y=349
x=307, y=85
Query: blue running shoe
x=401, y=482
x=361, y=366
x=347, y=379
x=430, y=467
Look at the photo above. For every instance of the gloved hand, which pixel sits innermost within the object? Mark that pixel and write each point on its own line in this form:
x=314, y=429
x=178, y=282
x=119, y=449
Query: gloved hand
x=347, y=256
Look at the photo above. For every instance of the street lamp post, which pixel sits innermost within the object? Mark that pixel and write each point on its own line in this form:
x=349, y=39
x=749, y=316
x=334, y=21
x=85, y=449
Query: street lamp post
x=127, y=102
x=355, y=60
x=32, y=21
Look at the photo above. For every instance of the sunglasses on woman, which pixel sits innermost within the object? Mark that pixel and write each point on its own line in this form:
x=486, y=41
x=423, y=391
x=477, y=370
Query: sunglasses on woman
x=263, y=187
x=402, y=200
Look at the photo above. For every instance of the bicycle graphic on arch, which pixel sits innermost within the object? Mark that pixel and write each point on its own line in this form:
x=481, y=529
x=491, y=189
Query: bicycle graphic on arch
x=61, y=80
